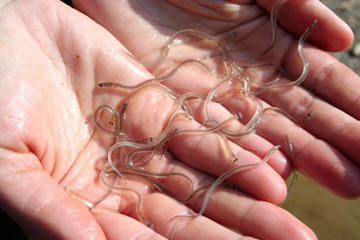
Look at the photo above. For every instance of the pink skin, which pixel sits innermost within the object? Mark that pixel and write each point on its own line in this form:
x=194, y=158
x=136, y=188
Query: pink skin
x=54, y=56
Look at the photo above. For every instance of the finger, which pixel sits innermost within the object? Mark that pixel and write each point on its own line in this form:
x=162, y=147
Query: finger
x=331, y=33
x=198, y=228
x=316, y=158
x=327, y=122
x=328, y=79
x=44, y=210
x=207, y=154
x=107, y=14
x=251, y=142
x=259, y=146
x=202, y=150
x=250, y=217
x=119, y=226
x=337, y=126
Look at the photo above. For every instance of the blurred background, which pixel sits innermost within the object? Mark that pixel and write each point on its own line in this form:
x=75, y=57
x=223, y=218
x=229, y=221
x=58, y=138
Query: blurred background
x=349, y=11
x=329, y=216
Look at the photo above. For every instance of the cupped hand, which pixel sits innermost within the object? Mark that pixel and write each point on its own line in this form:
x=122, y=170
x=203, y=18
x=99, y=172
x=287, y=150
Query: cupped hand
x=53, y=57
x=327, y=147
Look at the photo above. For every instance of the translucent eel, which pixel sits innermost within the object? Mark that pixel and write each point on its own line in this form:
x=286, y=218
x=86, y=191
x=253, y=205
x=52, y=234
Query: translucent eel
x=153, y=141
x=161, y=143
x=115, y=117
x=288, y=116
x=303, y=59
x=156, y=175
x=115, y=133
x=175, y=133
x=153, y=80
x=120, y=134
x=249, y=126
x=281, y=71
x=119, y=122
x=274, y=34
x=240, y=69
x=122, y=144
x=225, y=140
x=208, y=123
x=205, y=36
x=75, y=195
x=153, y=83
x=112, y=188
x=213, y=128
x=179, y=105
x=114, y=113
x=197, y=33
x=226, y=53
x=225, y=175
x=118, y=128
x=293, y=179
x=156, y=186
x=202, y=188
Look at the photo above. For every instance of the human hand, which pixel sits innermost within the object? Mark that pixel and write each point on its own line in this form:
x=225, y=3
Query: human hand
x=326, y=148
x=53, y=57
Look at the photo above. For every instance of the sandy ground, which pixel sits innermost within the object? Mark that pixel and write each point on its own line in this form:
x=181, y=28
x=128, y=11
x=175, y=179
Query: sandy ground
x=329, y=216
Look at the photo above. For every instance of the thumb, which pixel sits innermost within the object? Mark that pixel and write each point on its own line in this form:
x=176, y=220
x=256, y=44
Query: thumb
x=40, y=206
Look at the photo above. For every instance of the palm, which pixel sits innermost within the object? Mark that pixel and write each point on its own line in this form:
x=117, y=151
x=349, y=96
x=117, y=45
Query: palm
x=48, y=102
